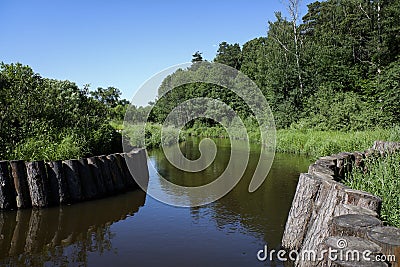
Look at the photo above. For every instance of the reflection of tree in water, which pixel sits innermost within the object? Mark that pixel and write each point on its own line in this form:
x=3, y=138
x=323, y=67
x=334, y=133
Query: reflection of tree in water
x=64, y=235
x=262, y=213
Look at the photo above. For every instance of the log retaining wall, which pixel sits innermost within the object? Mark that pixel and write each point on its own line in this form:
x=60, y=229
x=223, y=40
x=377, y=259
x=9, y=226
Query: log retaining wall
x=42, y=184
x=325, y=212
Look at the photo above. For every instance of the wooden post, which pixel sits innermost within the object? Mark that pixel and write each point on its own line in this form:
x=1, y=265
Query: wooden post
x=89, y=189
x=116, y=173
x=343, y=209
x=106, y=171
x=389, y=239
x=353, y=225
x=38, y=185
x=58, y=184
x=329, y=196
x=300, y=212
x=98, y=176
x=137, y=164
x=348, y=251
x=129, y=177
x=362, y=199
x=71, y=172
x=7, y=188
x=19, y=175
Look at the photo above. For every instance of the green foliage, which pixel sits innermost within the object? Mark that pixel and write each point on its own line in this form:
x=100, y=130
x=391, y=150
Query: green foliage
x=381, y=177
x=50, y=119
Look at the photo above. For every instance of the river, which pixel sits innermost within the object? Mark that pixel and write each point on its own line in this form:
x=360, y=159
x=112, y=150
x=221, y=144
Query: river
x=133, y=229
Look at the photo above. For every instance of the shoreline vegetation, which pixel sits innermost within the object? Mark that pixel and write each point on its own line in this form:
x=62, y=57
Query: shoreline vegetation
x=380, y=176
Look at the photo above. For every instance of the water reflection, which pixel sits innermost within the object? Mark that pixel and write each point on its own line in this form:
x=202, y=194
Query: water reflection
x=262, y=213
x=63, y=235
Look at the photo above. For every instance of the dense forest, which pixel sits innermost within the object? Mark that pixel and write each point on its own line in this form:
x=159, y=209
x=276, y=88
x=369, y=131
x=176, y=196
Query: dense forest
x=337, y=70
x=43, y=118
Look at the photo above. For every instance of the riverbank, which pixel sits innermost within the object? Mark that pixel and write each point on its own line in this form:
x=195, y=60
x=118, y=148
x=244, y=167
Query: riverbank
x=380, y=176
x=310, y=142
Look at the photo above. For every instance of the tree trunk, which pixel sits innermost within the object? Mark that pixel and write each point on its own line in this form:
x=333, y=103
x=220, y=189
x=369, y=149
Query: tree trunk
x=58, y=184
x=300, y=212
x=38, y=185
x=7, y=188
x=116, y=173
x=106, y=171
x=19, y=175
x=389, y=239
x=98, y=175
x=353, y=225
x=348, y=251
x=89, y=189
x=71, y=171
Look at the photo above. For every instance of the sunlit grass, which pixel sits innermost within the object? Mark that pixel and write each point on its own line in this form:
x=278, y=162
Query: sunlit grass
x=381, y=177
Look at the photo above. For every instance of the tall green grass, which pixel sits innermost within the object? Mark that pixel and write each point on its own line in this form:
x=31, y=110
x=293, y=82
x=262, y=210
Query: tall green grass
x=317, y=143
x=49, y=148
x=152, y=136
x=381, y=177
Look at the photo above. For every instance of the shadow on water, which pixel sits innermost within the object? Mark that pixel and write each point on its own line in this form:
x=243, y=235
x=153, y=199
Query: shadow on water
x=63, y=235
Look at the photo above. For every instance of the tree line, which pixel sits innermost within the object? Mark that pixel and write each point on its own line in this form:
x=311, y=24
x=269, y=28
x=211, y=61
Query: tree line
x=43, y=118
x=339, y=69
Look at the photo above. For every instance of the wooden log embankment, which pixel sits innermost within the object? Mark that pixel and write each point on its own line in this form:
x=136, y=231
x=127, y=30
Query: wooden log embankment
x=323, y=207
x=42, y=184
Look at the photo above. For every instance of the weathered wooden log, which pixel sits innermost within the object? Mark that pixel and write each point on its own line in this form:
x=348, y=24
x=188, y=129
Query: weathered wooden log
x=353, y=225
x=137, y=164
x=344, y=164
x=38, y=184
x=389, y=239
x=320, y=169
x=7, y=188
x=71, y=172
x=127, y=177
x=89, y=188
x=343, y=209
x=58, y=184
x=362, y=199
x=98, y=176
x=358, y=159
x=300, y=212
x=106, y=171
x=116, y=173
x=328, y=197
x=361, y=263
x=19, y=175
x=350, y=251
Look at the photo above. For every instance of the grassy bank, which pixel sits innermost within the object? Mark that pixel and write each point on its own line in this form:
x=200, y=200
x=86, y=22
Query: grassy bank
x=321, y=143
x=381, y=177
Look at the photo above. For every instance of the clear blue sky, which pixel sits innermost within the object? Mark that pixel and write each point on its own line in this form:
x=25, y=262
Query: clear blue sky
x=123, y=43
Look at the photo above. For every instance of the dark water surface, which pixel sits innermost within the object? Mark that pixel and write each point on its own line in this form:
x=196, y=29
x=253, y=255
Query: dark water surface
x=133, y=229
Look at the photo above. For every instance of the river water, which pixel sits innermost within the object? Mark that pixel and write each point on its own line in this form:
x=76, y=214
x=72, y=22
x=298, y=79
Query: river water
x=133, y=229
